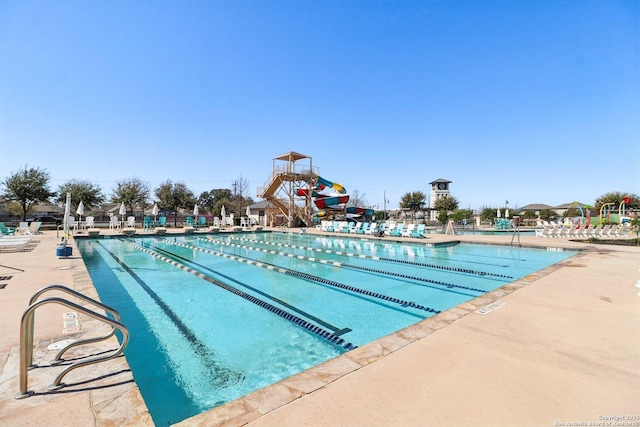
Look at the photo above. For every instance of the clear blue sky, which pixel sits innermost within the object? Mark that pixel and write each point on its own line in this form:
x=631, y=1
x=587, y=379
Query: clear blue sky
x=526, y=101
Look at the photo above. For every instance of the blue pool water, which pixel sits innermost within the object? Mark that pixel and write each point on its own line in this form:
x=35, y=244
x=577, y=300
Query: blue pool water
x=215, y=317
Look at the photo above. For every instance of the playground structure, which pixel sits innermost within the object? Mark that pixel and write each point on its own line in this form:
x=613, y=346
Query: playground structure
x=295, y=186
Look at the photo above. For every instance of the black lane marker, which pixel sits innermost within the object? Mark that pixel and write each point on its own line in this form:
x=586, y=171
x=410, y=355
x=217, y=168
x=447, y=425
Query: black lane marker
x=355, y=267
x=306, y=276
x=373, y=257
x=331, y=337
x=221, y=376
x=327, y=325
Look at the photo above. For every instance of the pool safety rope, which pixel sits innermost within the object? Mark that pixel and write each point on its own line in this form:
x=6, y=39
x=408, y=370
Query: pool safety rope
x=323, y=333
x=344, y=265
x=310, y=277
x=375, y=258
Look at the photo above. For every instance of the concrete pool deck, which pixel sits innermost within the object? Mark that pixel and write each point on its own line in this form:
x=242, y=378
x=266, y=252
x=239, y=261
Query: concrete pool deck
x=558, y=346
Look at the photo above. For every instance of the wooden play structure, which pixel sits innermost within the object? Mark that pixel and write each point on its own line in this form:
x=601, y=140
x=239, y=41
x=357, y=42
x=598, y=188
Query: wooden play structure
x=291, y=171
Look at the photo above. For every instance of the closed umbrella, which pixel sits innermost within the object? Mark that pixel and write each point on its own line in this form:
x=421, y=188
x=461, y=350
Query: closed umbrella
x=498, y=213
x=248, y=213
x=65, y=221
x=155, y=211
x=122, y=212
x=196, y=211
x=506, y=213
x=80, y=211
x=223, y=214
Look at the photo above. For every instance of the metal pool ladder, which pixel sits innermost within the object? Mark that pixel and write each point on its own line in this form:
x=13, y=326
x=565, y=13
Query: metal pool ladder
x=26, y=336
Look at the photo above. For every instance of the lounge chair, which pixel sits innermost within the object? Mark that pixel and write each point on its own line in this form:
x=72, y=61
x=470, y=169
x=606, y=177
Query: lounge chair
x=131, y=222
x=397, y=232
x=34, y=227
x=23, y=227
x=364, y=228
x=407, y=232
x=545, y=232
x=89, y=222
x=357, y=227
x=114, y=223
x=373, y=229
x=604, y=232
x=202, y=222
x=7, y=231
x=190, y=222
x=147, y=223
x=71, y=222
x=162, y=221
x=419, y=231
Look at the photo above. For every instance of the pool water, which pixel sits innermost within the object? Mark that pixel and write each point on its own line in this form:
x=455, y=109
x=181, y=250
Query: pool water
x=215, y=317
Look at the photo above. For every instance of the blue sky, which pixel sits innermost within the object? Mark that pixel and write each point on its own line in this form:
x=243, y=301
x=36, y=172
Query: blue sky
x=526, y=101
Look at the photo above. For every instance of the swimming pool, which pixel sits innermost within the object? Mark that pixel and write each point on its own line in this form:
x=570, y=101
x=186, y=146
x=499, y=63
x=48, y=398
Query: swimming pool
x=214, y=317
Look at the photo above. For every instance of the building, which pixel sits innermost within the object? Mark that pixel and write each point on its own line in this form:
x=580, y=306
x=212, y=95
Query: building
x=439, y=189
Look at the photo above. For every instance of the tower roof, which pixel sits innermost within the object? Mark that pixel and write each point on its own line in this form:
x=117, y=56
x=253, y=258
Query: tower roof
x=440, y=180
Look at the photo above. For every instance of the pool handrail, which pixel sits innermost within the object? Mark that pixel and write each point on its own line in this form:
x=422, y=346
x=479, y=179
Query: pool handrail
x=26, y=337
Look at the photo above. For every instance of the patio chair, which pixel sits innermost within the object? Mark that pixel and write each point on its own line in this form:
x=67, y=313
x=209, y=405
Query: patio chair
x=7, y=230
x=34, y=227
x=131, y=222
x=410, y=229
x=397, y=232
x=364, y=228
x=419, y=231
x=162, y=221
x=89, y=222
x=202, y=222
x=147, y=224
x=190, y=222
x=373, y=228
x=23, y=227
x=114, y=223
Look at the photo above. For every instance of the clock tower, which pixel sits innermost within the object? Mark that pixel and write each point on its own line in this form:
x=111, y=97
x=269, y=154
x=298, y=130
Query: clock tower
x=439, y=189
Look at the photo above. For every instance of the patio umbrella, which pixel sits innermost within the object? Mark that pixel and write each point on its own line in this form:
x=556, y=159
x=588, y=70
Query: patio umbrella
x=223, y=214
x=155, y=211
x=506, y=213
x=80, y=211
x=248, y=213
x=498, y=214
x=122, y=212
x=65, y=221
x=196, y=211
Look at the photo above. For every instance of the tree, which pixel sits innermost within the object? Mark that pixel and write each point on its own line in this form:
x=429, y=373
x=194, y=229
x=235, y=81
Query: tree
x=356, y=199
x=616, y=198
x=175, y=197
x=548, y=215
x=414, y=201
x=88, y=193
x=239, y=198
x=131, y=192
x=635, y=226
x=446, y=203
x=209, y=200
x=27, y=187
x=462, y=215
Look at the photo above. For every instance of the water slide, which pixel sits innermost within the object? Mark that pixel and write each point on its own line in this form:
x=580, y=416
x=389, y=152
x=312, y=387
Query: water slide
x=332, y=196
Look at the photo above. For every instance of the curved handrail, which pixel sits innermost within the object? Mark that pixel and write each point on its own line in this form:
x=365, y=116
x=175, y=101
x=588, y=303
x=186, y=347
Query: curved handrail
x=31, y=321
x=24, y=343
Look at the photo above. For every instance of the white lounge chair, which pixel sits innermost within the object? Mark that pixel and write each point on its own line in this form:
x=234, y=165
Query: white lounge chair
x=407, y=232
x=373, y=229
x=131, y=222
x=114, y=223
x=89, y=222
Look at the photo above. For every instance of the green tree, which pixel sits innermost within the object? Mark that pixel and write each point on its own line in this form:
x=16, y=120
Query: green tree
x=174, y=197
x=548, y=215
x=414, y=201
x=88, y=193
x=27, y=187
x=209, y=200
x=616, y=198
x=443, y=217
x=488, y=214
x=131, y=192
x=462, y=214
x=446, y=203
